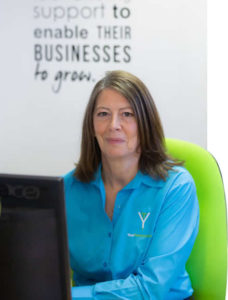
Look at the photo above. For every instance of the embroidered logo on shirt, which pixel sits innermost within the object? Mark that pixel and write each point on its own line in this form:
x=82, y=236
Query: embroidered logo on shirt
x=139, y=235
x=143, y=217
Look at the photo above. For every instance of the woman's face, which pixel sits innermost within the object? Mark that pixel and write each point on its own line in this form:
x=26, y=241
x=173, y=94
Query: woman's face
x=115, y=126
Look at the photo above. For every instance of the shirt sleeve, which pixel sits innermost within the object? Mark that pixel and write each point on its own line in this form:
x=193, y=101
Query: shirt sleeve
x=171, y=245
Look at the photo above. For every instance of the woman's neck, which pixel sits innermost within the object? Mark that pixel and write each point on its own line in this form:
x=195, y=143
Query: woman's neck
x=118, y=173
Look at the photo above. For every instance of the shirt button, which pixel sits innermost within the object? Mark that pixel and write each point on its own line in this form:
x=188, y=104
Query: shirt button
x=105, y=264
x=109, y=234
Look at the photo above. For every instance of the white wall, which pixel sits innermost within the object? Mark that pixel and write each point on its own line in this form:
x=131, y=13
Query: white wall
x=217, y=85
x=40, y=128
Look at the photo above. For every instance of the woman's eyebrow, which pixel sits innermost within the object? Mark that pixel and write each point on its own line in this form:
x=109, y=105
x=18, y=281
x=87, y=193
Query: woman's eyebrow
x=107, y=108
x=102, y=107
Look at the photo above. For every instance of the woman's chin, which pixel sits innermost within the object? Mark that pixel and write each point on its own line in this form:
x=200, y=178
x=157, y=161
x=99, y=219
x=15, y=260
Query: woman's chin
x=118, y=155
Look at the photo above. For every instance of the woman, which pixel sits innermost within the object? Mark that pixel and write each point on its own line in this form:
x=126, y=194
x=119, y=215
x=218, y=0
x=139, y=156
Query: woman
x=132, y=211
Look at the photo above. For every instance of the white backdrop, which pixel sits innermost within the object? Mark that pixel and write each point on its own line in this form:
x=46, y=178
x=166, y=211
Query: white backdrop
x=217, y=86
x=53, y=51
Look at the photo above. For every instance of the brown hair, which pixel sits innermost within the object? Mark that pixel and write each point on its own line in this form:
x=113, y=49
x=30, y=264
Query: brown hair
x=154, y=159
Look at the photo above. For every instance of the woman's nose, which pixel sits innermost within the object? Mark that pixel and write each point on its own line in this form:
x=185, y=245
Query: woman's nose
x=115, y=123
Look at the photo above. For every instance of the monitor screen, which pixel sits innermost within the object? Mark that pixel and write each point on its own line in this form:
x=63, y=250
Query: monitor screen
x=34, y=261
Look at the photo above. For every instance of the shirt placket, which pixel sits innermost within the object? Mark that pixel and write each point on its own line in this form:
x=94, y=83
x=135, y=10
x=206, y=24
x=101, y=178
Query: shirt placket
x=121, y=197
x=108, y=234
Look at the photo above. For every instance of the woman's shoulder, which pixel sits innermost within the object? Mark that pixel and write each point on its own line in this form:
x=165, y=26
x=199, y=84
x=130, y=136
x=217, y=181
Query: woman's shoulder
x=69, y=175
x=73, y=185
x=69, y=178
x=179, y=175
x=176, y=176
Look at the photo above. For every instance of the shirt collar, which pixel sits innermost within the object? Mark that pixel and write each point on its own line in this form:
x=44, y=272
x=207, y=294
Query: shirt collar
x=139, y=179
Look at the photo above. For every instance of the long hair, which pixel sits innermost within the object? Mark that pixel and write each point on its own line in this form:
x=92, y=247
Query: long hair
x=154, y=159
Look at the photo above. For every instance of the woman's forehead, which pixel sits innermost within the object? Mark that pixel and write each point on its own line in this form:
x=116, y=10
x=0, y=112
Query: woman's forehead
x=111, y=98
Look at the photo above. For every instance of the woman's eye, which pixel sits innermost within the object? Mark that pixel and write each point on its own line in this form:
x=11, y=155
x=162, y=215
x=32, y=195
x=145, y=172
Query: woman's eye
x=102, y=114
x=128, y=114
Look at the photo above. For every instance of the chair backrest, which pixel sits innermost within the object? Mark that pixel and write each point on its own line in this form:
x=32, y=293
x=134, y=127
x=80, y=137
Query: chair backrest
x=207, y=264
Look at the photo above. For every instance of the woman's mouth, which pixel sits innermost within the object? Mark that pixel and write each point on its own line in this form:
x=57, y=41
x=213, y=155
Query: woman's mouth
x=115, y=140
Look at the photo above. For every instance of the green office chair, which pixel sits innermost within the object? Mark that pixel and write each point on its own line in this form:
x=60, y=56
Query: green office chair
x=207, y=265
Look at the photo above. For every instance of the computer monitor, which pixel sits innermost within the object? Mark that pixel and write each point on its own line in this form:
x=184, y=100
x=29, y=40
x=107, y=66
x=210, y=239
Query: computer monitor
x=34, y=261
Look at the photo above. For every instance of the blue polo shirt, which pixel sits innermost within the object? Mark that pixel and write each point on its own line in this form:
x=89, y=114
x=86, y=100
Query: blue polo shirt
x=141, y=253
